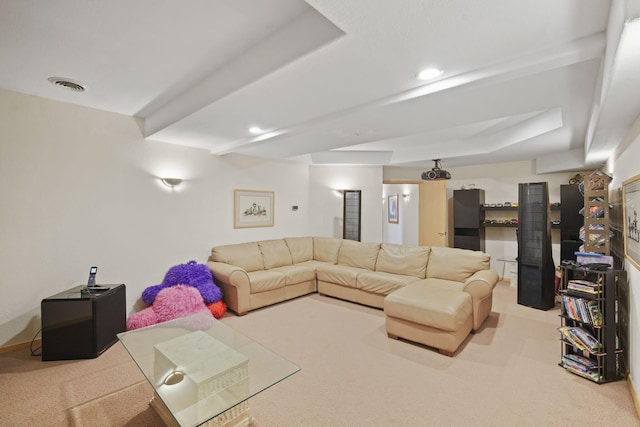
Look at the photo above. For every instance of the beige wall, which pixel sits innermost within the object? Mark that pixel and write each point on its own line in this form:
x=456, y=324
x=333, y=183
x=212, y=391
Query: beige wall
x=80, y=188
x=623, y=167
x=326, y=204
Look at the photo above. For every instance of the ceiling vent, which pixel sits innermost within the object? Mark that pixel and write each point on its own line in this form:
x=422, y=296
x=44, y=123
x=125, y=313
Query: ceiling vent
x=67, y=84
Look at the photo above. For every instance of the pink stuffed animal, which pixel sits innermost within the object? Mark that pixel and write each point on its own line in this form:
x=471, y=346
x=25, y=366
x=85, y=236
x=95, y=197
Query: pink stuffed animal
x=170, y=303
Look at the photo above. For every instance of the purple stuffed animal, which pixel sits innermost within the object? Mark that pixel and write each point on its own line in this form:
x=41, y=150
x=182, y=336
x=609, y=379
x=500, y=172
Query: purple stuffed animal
x=190, y=274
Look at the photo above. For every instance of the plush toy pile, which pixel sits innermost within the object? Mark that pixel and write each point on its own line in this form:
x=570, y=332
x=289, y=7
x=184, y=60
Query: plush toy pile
x=186, y=289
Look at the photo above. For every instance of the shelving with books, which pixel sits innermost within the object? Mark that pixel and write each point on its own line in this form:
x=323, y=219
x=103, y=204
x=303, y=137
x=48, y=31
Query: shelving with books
x=589, y=328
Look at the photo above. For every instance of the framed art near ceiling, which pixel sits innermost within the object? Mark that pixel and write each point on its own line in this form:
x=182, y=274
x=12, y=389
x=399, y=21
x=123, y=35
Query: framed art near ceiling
x=630, y=208
x=392, y=207
x=252, y=208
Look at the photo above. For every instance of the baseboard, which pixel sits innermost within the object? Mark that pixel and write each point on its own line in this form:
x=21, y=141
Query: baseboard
x=634, y=396
x=26, y=344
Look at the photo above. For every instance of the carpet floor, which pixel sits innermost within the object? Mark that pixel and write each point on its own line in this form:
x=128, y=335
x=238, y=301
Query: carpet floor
x=352, y=375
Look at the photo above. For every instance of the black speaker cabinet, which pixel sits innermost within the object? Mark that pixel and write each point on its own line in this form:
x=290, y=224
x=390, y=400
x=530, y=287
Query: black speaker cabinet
x=78, y=325
x=536, y=271
x=468, y=231
x=571, y=201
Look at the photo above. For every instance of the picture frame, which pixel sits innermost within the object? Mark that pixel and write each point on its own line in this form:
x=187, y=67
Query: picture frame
x=253, y=208
x=393, y=209
x=630, y=210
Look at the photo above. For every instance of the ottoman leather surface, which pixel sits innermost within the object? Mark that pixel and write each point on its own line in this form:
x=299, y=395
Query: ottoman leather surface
x=443, y=309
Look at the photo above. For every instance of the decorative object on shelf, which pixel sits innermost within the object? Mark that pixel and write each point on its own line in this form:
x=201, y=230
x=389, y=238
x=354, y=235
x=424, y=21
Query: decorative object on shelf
x=253, y=208
x=392, y=209
x=577, y=179
x=630, y=208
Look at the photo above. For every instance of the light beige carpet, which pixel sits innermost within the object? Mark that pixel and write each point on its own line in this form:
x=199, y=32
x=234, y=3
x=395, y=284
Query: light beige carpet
x=352, y=375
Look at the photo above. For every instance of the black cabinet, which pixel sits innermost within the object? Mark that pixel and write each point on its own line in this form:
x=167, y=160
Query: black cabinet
x=80, y=325
x=536, y=271
x=571, y=202
x=468, y=217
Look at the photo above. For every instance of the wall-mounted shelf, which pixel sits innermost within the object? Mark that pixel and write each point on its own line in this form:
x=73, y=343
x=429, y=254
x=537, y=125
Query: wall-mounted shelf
x=512, y=224
x=554, y=207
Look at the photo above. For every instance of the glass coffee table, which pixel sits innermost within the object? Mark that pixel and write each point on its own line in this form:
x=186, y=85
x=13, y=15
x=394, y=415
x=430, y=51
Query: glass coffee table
x=203, y=372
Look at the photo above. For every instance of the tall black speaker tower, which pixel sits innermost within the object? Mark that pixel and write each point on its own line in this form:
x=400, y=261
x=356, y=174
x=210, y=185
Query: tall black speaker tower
x=536, y=272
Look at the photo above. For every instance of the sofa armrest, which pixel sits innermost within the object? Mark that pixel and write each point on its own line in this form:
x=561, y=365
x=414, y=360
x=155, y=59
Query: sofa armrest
x=235, y=284
x=481, y=283
x=480, y=286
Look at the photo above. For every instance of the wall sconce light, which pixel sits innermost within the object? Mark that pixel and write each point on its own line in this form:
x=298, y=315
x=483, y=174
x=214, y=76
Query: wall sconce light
x=171, y=182
x=406, y=195
x=338, y=193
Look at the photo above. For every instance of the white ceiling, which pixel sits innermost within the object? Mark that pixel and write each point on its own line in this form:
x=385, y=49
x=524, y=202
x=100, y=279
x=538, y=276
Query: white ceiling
x=334, y=81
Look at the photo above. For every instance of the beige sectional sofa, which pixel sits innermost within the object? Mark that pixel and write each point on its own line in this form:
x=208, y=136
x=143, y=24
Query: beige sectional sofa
x=432, y=295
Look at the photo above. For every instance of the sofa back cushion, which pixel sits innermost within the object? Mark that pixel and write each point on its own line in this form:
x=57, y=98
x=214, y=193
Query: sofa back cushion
x=300, y=248
x=456, y=264
x=243, y=255
x=275, y=253
x=358, y=254
x=326, y=249
x=406, y=260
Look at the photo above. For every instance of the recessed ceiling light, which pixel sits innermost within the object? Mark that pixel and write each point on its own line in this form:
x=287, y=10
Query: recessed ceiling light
x=256, y=130
x=429, y=73
x=67, y=84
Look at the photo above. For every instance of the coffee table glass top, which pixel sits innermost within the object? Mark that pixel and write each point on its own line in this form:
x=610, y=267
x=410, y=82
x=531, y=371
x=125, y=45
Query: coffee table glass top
x=201, y=367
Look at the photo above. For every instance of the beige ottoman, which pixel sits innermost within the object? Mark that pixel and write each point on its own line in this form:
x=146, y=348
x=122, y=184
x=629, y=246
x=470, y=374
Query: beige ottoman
x=440, y=318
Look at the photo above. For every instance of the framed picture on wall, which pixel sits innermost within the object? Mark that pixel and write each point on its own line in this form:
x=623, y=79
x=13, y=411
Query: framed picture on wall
x=252, y=208
x=630, y=210
x=392, y=207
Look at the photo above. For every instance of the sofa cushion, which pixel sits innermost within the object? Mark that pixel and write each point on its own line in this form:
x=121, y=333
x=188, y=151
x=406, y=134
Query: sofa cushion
x=298, y=273
x=456, y=264
x=358, y=254
x=339, y=274
x=381, y=283
x=243, y=255
x=326, y=249
x=301, y=248
x=443, y=309
x=441, y=284
x=266, y=280
x=275, y=253
x=405, y=260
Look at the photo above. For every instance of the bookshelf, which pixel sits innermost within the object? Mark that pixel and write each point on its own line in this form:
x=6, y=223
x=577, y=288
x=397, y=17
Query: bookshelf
x=589, y=329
